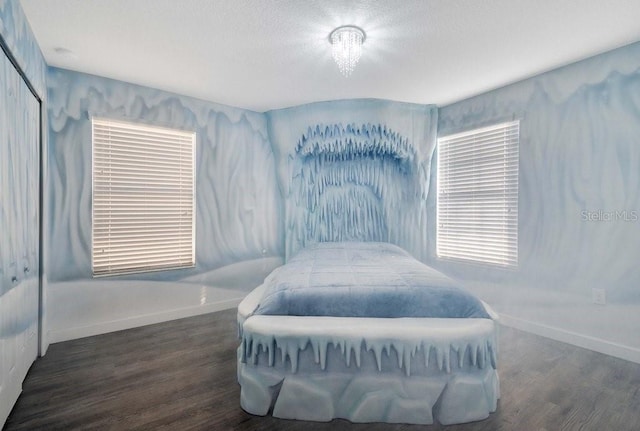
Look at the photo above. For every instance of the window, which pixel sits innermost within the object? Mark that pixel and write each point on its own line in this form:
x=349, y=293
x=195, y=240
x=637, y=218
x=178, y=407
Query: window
x=143, y=198
x=477, y=210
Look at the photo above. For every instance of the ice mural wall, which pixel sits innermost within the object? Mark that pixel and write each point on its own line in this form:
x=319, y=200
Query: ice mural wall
x=354, y=170
x=270, y=183
x=17, y=34
x=579, y=200
x=236, y=194
x=239, y=226
x=579, y=171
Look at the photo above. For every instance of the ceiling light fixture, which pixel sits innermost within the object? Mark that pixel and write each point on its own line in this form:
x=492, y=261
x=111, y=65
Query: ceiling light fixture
x=346, y=47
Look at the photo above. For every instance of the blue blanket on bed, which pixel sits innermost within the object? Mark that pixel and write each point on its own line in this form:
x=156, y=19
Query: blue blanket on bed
x=363, y=279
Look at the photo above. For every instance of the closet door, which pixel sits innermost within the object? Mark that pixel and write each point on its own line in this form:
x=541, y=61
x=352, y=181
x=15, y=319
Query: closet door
x=19, y=232
x=28, y=174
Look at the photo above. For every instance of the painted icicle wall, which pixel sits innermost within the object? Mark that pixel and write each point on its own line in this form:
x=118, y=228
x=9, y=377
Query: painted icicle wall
x=238, y=221
x=19, y=202
x=354, y=170
x=17, y=34
x=579, y=226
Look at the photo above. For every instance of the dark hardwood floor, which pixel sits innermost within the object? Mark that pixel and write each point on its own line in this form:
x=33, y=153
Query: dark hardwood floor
x=181, y=375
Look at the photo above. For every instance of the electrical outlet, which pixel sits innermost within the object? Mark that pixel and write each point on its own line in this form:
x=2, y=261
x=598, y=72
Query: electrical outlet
x=598, y=296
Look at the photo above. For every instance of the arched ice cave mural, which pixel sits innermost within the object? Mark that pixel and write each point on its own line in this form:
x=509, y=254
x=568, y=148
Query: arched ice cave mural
x=354, y=170
x=353, y=182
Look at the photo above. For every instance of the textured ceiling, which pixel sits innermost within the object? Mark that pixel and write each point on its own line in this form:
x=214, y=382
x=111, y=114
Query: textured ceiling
x=268, y=54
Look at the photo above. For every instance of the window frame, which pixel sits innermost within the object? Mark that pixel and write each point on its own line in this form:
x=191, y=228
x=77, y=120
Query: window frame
x=144, y=139
x=468, y=213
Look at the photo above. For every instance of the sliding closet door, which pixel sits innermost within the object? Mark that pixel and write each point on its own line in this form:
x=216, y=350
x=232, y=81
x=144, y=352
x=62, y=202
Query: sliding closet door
x=19, y=232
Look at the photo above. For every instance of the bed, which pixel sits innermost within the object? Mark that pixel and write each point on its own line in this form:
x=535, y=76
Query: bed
x=364, y=332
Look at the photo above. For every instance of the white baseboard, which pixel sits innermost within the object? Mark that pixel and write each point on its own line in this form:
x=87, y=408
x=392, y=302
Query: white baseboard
x=56, y=336
x=592, y=343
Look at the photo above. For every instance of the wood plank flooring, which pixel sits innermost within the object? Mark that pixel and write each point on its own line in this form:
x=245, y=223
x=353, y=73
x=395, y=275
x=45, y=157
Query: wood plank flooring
x=181, y=375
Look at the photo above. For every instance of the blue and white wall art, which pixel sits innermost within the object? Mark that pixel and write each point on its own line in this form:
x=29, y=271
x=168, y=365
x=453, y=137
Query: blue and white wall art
x=579, y=214
x=354, y=170
x=238, y=217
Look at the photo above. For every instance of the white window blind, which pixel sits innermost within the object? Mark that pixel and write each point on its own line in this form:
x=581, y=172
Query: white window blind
x=477, y=209
x=143, y=198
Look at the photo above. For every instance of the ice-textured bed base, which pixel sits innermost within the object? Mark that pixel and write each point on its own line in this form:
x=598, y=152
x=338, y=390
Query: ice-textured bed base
x=406, y=370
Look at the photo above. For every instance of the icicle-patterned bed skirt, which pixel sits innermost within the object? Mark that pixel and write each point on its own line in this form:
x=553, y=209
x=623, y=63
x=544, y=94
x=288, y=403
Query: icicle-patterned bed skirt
x=399, y=370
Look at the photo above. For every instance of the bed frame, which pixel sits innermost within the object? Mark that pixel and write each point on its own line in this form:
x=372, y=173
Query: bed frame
x=395, y=370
